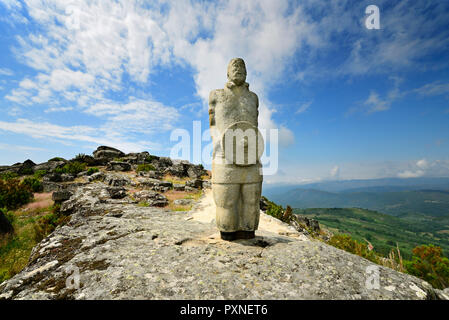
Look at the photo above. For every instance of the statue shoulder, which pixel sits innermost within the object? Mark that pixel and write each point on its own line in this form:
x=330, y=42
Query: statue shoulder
x=254, y=96
x=214, y=94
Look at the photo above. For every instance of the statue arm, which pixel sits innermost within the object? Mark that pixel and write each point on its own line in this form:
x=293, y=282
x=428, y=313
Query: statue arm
x=212, y=103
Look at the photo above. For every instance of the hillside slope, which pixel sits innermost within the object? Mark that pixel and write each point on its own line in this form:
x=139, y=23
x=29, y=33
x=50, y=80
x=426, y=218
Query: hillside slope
x=428, y=202
x=382, y=230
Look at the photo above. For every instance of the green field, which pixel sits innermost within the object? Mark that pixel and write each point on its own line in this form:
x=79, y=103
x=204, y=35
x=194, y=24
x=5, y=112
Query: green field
x=384, y=231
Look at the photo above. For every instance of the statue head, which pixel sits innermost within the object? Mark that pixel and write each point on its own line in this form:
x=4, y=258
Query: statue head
x=237, y=71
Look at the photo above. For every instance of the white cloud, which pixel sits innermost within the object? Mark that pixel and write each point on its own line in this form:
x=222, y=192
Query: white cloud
x=60, y=109
x=11, y=4
x=303, y=107
x=433, y=89
x=335, y=172
x=5, y=146
x=94, y=44
x=6, y=72
x=375, y=103
x=84, y=50
x=411, y=174
x=423, y=164
x=423, y=167
x=136, y=116
x=61, y=134
x=411, y=31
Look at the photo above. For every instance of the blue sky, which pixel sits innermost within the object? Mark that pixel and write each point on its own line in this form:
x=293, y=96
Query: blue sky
x=349, y=102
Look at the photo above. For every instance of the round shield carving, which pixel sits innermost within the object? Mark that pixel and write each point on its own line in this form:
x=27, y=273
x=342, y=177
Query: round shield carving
x=242, y=144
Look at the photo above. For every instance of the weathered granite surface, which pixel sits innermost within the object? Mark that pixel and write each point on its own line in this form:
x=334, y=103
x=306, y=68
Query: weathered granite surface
x=124, y=251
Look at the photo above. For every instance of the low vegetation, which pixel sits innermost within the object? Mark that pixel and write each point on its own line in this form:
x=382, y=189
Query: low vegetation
x=382, y=230
x=173, y=195
x=428, y=263
x=345, y=242
x=8, y=175
x=375, y=236
x=92, y=170
x=31, y=221
x=145, y=167
x=72, y=168
x=30, y=227
x=14, y=193
x=34, y=184
x=286, y=215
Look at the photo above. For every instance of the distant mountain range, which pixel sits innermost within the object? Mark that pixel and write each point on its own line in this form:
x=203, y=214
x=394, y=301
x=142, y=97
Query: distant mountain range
x=394, y=196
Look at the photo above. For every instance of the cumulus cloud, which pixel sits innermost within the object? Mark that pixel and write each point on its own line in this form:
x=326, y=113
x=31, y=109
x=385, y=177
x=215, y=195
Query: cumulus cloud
x=411, y=174
x=85, y=51
x=88, y=46
x=423, y=164
x=423, y=167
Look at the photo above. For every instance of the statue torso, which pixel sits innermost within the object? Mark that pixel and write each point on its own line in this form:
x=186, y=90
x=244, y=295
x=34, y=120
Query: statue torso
x=233, y=104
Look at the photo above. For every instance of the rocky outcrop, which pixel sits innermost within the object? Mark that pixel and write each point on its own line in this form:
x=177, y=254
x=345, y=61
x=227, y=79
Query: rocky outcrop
x=117, y=249
x=155, y=184
x=182, y=168
x=118, y=166
x=150, y=198
x=61, y=196
x=49, y=166
x=104, y=152
x=26, y=167
x=310, y=223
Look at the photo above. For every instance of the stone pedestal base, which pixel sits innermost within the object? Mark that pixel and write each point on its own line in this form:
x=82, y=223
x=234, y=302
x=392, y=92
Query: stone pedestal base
x=229, y=236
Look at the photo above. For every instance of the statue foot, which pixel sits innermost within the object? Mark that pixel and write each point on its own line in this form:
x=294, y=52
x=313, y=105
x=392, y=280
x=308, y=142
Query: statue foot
x=229, y=236
x=245, y=234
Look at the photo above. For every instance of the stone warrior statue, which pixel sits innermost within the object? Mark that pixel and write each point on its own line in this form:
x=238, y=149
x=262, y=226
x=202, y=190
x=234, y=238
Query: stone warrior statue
x=237, y=148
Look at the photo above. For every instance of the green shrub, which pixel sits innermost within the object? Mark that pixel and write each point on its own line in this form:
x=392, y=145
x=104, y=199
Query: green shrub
x=48, y=223
x=145, y=167
x=4, y=275
x=345, y=242
x=34, y=184
x=274, y=210
x=150, y=158
x=26, y=171
x=60, y=170
x=429, y=264
x=75, y=167
x=13, y=194
x=80, y=157
x=72, y=167
x=92, y=170
x=8, y=175
x=8, y=214
x=56, y=159
x=38, y=174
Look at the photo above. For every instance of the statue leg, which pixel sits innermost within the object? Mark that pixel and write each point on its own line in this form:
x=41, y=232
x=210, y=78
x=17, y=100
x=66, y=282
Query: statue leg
x=226, y=197
x=249, y=216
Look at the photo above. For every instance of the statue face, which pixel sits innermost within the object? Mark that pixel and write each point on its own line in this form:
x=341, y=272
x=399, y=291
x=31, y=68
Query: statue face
x=237, y=71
